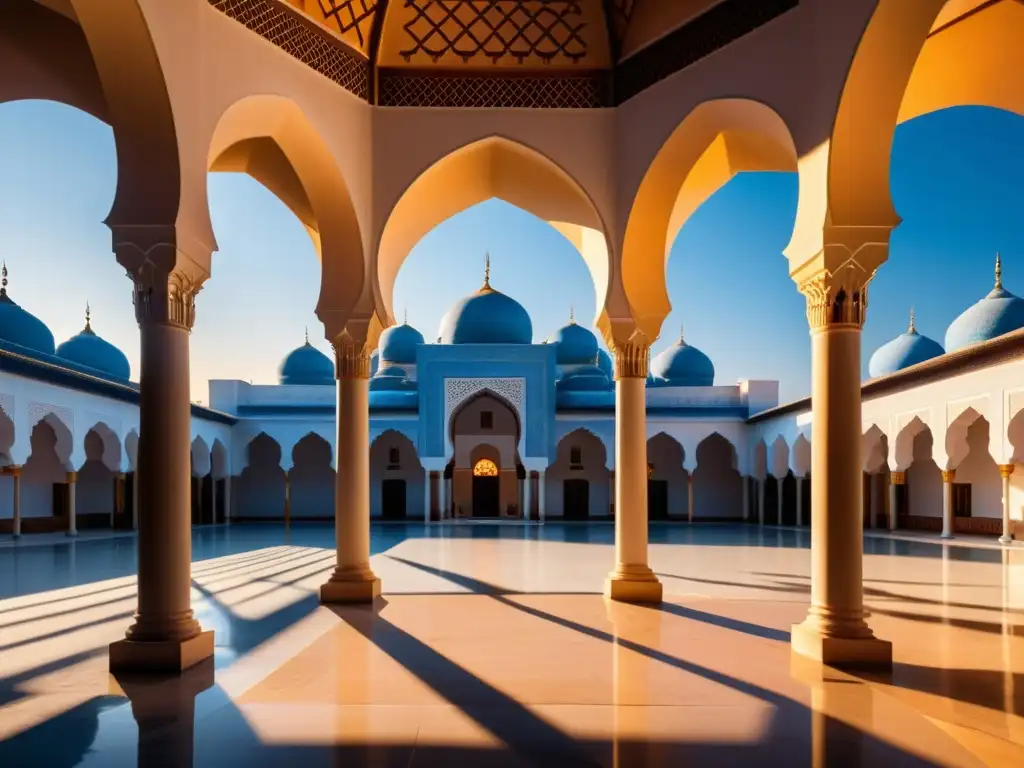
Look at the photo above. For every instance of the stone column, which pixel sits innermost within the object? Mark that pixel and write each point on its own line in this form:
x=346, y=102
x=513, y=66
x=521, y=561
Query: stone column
x=165, y=636
x=611, y=492
x=72, y=481
x=778, y=508
x=541, y=495
x=746, y=498
x=895, y=479
x=631, y=580
x=429, y=479
x=799, y=500
x=213, y=497
x=872, y=500
x=762, y=489
x=1005, y=470
x=353, y=581
x=15, y=472
x=227, y=499
x=528, y=495
x=835, y=631
x=118, y=508
x=287, y=499
x=135, y=500
x=689, y=497
x=948, y=477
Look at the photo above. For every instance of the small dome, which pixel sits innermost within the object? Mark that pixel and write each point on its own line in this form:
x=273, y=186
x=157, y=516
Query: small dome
x=486, y=317
x=398, y=344
x=576, y=344
x=682, y=366
x=89, y=350
x=586, y=378
x=20, y=327
x=998, y=313
x=604, y=362
x=905, y=350
x=307, y=366
x=393, y=378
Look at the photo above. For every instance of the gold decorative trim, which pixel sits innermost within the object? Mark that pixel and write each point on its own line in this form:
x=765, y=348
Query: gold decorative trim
x=633, y=357
x=72, y=477
x=839, y=297
x=898, y=478
x=1005, y=470
x=166, y=303
x=948, y=475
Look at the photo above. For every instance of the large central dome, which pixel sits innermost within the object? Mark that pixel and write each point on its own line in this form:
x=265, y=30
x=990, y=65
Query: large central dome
x=486, y=317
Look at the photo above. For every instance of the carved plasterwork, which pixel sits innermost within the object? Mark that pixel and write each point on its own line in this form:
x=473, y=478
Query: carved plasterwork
x=458, y=391
x=39, y=411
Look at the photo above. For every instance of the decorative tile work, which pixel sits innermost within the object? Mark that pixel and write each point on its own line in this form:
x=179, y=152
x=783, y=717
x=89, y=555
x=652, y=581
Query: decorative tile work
x=350, y=16
x=458, y=391
x=401, y=88
x=521, y=29
x=303, y=40
x=714, y=29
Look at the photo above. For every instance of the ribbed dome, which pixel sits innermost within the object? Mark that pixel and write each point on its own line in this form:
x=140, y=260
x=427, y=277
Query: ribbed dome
x=682, y=366
x=390, y=379
x=20, y=327
x=89, y=350
x=307, y=366
x=586, y=378
x=604, y=362
x=486, y=317
x=905, y=350
x=398, y=344
x=998, y=313
x=576, y=344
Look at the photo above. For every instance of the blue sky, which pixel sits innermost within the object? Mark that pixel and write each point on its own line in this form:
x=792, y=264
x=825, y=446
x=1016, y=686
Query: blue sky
x=956, y=179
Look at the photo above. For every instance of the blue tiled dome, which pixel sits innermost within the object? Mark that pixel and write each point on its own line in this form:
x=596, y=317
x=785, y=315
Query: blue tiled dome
x=905, y=350
x=398, y=344
x=586, y=378
x=486, y=317
x=391, y=379
x=576, y=344
x=306, y=366
x=20, y=327
x=683, y=366
x=89, y=350
x=604, y=362
x=998, y=313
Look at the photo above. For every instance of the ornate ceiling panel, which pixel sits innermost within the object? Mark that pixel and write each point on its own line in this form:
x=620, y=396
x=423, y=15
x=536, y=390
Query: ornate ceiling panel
x=352, y=20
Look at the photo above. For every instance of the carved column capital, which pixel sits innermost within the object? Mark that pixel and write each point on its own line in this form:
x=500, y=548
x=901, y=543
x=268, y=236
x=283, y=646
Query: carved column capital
x=71, y=478
x=948, y=475
x=351, y=357
x=898, y=478
x=1005, y=470
x=837, y=297
x=632, y=357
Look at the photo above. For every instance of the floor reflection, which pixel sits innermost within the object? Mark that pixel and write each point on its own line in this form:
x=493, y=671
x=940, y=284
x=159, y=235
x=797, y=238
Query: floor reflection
x=494, y=647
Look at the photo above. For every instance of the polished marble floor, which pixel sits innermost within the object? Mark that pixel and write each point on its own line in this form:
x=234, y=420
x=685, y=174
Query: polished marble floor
x=493, y=647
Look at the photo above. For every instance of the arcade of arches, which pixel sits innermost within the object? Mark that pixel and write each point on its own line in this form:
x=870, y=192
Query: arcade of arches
x=333, y=146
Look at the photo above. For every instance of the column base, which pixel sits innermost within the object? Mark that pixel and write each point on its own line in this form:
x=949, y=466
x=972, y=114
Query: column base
x=840, y=651
x=1006, y=539
x=72, y=534
x=633, y=588
x=945, y=535
x=170, y=657
x=364, y=591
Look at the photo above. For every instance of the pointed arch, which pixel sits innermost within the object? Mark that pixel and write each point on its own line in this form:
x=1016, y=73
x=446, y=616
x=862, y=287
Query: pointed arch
x=717, y=483
x=717, y=140
x=271, y=139
x=312, y=478
x=261, y=483
x=494, y=167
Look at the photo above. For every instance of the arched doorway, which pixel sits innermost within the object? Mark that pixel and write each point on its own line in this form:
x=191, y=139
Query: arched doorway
x=486, y=489
x=485, y=476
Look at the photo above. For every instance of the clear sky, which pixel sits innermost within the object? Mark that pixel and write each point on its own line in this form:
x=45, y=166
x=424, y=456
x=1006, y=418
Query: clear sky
x=956, y=178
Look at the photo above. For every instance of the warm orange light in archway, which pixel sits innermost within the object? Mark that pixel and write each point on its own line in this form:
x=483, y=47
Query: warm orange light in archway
x=485, y=468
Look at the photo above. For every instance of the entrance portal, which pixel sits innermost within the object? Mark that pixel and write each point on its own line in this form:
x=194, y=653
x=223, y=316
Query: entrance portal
x=392, y=499
x=575, y=499
x=486, y=489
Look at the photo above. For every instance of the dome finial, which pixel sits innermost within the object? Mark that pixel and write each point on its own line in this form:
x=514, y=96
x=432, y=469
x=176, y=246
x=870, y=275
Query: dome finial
x=88, y=319
x=999, y=271
x=405, y=316
x=682, y=339
x=911, y=328
x=572, y=315
x=307, y=336
x=487, y=272
x=3, y=281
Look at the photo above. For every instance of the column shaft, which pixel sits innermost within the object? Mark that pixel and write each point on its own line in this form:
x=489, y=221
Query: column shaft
x=895, y=479
x=287, y=498
x=762, y=489
x=16, y=509
x=778, y=509
x=72, y=479
x=227, y=498
x=835, y=631
x=746, y=498
x=541, y=495
x=872, y=500
x=631, y=580
x=689, y=497
x=353, y=580
x=1005, y=470
x=528, y=496
x=948, y=476
x=213, y=497
x=799, y=501
x=429, y=478
x=135, y=500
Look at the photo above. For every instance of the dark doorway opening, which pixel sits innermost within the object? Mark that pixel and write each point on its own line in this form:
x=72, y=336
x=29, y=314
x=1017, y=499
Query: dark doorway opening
x=392, y=499
x=576, y=499
x=657, y=499
x=787, y=515
x=962, y=499
x=486, y=496
x=771, y=500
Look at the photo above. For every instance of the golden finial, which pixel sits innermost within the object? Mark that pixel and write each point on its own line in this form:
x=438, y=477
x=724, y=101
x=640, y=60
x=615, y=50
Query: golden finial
x=88, y=319
x=307, y=335
x=911, y=328
x=682, y=340
x=572, y=315
x=999, y=271
x=3, y=281
x=487, y=273
x=405, y=316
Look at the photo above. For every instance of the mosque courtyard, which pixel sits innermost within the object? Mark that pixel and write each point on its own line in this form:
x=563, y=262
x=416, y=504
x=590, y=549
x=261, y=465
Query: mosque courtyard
x=492, y=646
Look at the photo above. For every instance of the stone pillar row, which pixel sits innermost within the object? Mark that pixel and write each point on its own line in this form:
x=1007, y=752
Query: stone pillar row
x=896, y=479
x=1005, y=470
x=948, y=478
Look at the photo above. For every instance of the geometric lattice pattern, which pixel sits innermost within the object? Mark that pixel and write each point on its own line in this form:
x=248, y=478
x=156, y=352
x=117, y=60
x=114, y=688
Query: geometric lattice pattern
x=301, y=39
x=521, y=29
x=399, y=88
x=350, y=15
x=619, y=12
x=458, y=391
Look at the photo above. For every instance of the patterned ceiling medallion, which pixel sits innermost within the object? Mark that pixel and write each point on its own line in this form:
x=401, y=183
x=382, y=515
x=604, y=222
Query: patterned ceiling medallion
x=496, y=29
